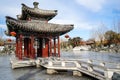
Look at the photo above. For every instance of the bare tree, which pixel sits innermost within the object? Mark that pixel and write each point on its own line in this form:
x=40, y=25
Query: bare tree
x=98, y=33
x=116, y=25
x=101, y=31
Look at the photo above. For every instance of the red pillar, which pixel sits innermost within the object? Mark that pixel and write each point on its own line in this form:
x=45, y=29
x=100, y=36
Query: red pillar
x=54, y=46
x=29, y=47
x=39, y=49
x=32, y=48
x=16, y=47
x=50, y=47
x=58, y=46
x=45, y=47
x=20, y=47
x=25, y=47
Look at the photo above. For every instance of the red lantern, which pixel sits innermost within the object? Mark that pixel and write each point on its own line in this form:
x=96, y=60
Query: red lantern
x=66, y=36
x=13, y=33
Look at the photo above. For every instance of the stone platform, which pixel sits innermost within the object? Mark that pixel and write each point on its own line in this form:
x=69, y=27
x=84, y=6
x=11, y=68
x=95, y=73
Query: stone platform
x=15, y=63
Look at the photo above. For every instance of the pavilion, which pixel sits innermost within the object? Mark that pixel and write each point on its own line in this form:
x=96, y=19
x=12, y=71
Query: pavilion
x=35, y=37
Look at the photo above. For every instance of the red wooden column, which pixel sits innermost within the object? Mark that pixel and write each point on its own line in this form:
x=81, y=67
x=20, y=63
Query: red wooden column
x=29, y=47
x=45, y=45
x=50, y=47
x=16, y=47
x=25, y=47
x=58, y=46
x=20, y=47
x=32, y=48
x=54, y=46
x=39, y=49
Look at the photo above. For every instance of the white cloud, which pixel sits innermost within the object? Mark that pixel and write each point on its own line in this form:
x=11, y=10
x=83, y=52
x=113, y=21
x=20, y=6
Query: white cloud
x=94, y=5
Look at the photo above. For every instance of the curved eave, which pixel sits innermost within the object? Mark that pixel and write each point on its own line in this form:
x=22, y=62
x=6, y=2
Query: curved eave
x=37, y=27
x=47, y=14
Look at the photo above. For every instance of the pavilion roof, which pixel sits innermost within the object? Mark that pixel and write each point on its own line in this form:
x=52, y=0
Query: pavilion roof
x=35, y=26
x=37, y=13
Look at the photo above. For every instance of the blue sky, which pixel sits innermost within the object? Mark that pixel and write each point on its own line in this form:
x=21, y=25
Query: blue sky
x=84, y=14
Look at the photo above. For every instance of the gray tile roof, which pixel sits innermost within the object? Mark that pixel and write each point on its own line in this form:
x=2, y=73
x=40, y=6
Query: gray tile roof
x=38, y=13
x=37, y=26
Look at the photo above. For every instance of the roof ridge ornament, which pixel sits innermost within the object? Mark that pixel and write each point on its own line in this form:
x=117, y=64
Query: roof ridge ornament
x=35, y=4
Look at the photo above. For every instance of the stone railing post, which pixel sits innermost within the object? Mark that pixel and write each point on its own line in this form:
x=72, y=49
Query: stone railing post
x=102, y=64
x=38, y=63
x=63, y=64
x=90, y=67
x=90, y=61
x=78, y=65
x=108, y=74
x=50, y=63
